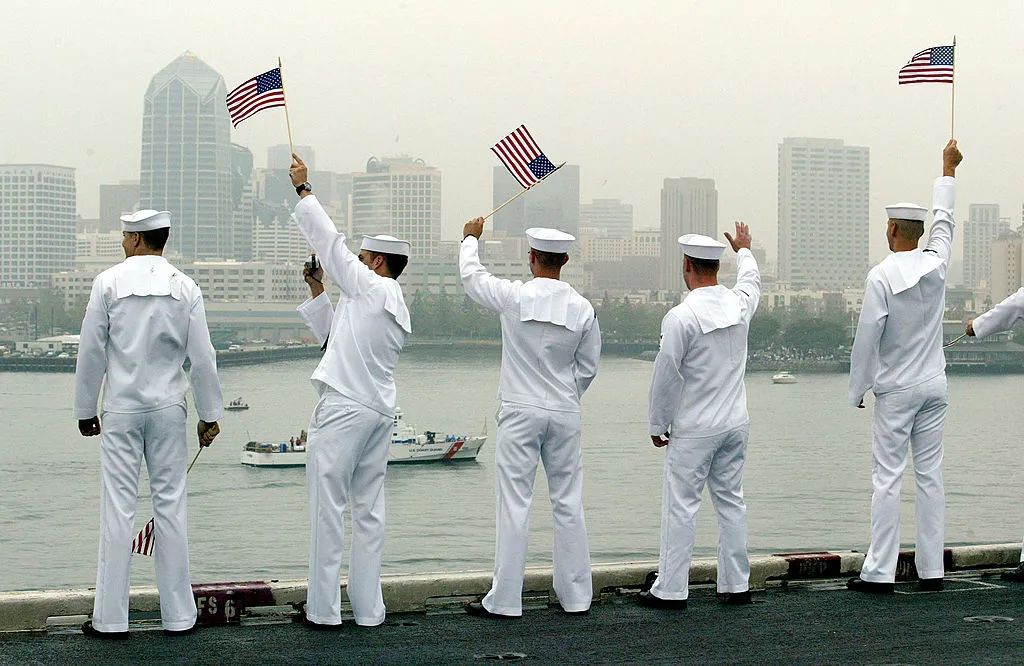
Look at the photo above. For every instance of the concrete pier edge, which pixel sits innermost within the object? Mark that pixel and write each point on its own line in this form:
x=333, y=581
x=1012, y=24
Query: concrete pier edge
x=28, y=611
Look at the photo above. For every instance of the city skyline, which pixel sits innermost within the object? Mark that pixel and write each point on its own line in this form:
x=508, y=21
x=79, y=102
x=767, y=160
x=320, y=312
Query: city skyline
x=401, y=81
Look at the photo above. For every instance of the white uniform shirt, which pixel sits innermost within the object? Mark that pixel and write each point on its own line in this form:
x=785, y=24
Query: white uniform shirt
x=369, y=326
x=899, y=336
x=698, y=384
x=144, y=318
x=1002, y=317
x=550, y=339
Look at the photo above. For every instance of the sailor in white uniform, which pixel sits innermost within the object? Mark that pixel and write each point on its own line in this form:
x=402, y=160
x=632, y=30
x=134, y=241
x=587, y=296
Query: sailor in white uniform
x=698, y=408
x=550, y=343
x=1004, y=316
x=144, y=319
x=897, y=354
x=349, y=435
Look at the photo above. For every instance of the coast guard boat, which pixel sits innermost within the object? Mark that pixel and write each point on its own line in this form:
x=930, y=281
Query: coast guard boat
x=407, y=446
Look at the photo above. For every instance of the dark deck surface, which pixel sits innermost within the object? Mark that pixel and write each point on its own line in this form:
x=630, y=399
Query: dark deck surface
x=978, y=619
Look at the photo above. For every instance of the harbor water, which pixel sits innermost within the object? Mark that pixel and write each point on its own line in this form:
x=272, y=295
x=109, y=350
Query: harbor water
x=807, y=480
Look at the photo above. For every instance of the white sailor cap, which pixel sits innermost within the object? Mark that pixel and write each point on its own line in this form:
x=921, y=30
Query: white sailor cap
x=549, y=240
x=906, y=211
x=701, y=247
x=145, y=220
x=385, y=245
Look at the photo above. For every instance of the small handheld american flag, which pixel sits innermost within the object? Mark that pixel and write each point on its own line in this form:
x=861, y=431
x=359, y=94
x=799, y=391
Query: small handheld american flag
x=145, y=540
x=263, y=91
x=934, y=65
x=523, y=157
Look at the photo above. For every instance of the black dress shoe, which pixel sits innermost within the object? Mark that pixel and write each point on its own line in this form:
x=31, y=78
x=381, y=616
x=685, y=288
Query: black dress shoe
x=1014, y=575
x=182, y=632
x=310, y=624
x=861, y=585
x=734, y=598
x=930, y=585
x=651, y=601
x=579, y=612
x=89, y=630
x=477, y=608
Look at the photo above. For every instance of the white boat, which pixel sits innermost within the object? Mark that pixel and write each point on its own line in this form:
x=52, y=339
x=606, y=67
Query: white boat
x=236, y=405
x=784, y=377
x=407, y=446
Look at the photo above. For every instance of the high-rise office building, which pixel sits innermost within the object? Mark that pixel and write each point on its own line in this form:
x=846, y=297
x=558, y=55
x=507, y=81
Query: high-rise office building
x=981, y=229
x=37, y=223
x=823, y=214
x=688, y=206
x=1005, y=260
x=115, y=201
x=553, y=203
x=612, y=216
x=186, y=157
x=399, y=196
x=242, y=204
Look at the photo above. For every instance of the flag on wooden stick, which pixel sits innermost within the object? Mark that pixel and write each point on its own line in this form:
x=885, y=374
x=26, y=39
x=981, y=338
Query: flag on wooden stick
x=264, y=91
x=523, y=157
x=934, y=65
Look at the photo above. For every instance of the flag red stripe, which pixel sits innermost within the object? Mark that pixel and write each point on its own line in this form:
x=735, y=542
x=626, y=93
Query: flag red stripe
x=246, y=104
x=256, y=105
x=512, y=164
x=244, y=92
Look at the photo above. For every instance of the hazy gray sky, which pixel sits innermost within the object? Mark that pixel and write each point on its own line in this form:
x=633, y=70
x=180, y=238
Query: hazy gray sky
x=633, y=92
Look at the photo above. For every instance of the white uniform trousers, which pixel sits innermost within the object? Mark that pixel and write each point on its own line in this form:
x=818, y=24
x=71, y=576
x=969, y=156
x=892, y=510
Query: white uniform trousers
x=347, y=452
x=525, y=435
x=916, y=416
x=159, y=436
x=690, y=463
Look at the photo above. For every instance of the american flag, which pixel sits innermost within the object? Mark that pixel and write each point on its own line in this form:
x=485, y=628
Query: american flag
x=523, y=157
x=145, y=540
x=934, y=65
x=264, y=91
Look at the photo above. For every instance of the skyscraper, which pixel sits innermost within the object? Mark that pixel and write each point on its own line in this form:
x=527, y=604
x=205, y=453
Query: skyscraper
x=553, y=203
x=823, y=214
x=982, y=228
x=399, y=196
x=1005, y=260
x=186, y=157
x=610, y=215
x=688, y=206
x=115, y=201
x=37, y=223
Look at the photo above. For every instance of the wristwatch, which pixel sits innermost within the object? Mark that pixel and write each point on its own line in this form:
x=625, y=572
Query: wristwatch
x=305, y=187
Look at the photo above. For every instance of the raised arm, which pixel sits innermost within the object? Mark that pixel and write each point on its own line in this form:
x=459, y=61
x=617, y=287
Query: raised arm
x=940, y=240
x=340, y=263
x=587, y=356
x=203, y=359
x=864, y=357
x=667, y=384
x=91, y=365
x=748, y=277
x=1004, y=316
x=491, y=292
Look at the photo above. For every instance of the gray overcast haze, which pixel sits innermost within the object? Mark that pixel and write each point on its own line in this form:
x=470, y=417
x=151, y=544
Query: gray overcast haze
x=633, y=92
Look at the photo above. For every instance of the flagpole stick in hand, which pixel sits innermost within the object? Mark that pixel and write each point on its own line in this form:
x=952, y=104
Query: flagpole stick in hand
x=288, y=122
x=522, y=192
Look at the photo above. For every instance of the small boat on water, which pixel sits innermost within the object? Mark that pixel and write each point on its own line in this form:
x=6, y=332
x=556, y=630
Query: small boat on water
x=783, y=377
x=236, y=405
x=407, y=446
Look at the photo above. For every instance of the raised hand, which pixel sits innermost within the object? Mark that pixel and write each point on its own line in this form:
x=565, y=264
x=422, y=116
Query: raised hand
x=742, y=238
x=298, y=172
x=474, y=227
x=951, y=158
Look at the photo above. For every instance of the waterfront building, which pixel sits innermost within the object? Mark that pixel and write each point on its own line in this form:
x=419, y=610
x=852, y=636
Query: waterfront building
x=823, y=213
x=37, y=223
x=612, y=216
x=187, y=157
x=688, y=206
x=980, y=231
x=554, y=203
x=400, y=196
x=1005, y=266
